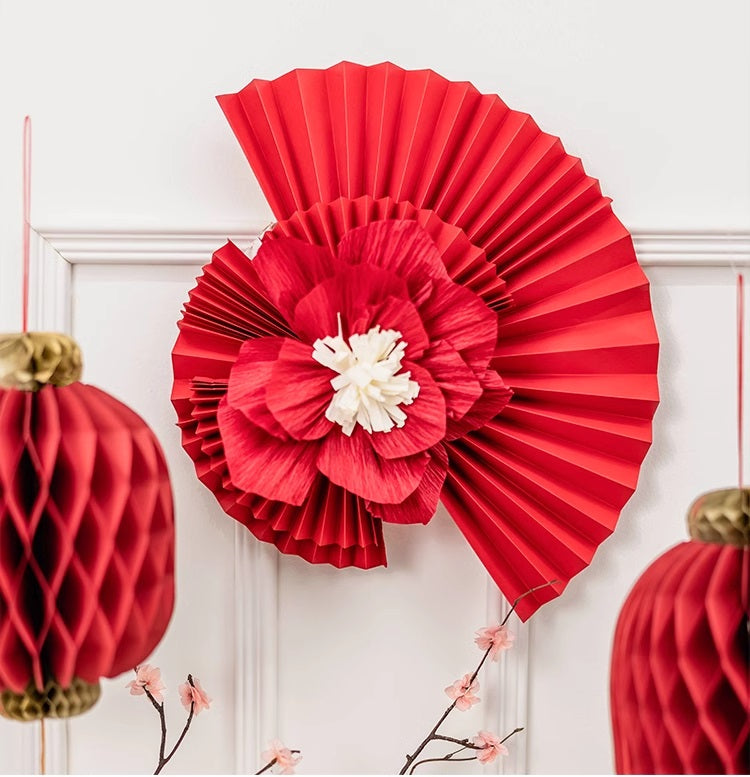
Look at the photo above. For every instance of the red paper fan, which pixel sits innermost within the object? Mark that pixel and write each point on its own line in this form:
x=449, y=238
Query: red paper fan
x=539, y=486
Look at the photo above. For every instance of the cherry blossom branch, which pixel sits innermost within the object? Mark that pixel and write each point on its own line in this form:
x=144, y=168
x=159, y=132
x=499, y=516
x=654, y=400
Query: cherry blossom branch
x=165, y=759
x=273, y=762
x=411, y=759
x=194, y=699
x=466, y=745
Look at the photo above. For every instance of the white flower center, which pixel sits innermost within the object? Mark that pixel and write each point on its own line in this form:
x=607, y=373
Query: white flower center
x=368, y=389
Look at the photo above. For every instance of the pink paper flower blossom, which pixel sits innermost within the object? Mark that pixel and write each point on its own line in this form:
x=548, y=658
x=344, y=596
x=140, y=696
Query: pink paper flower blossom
x=283, y=756
x=491, y=746
x=463, y=691
x=147, y=679
x=494, y=639
x=195, y=695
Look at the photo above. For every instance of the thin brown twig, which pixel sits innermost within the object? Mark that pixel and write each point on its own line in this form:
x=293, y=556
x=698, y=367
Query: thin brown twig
x=410, y=759
x=163, y=722
x=512, y=733
x=464, y=742
x=448, y=757
x=159, y=707
x=432, y=760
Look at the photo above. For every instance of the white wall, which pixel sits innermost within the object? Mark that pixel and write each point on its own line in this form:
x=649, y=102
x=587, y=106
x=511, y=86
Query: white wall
x=128, y=140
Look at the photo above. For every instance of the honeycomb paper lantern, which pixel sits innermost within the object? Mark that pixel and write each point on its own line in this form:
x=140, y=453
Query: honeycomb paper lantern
x=680, y=682
x=86, y=532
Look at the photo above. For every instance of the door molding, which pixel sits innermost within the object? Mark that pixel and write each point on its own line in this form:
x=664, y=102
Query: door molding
x=194, y=247
x=54, y=255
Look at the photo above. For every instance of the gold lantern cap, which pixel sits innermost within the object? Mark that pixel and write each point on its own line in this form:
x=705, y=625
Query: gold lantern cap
x=31, y=360
x=721, y=516
x=53, y=701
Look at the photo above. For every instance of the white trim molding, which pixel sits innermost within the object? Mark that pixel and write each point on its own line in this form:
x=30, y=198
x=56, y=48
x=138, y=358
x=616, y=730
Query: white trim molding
x=506, y=688
x=654, y=249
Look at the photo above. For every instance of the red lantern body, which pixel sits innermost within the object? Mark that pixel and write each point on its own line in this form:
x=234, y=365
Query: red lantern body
x=680, y=684
x=86, y=540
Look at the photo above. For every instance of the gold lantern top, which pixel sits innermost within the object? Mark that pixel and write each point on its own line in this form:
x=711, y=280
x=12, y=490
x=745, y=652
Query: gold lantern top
x=721, y=516
x=31, y=360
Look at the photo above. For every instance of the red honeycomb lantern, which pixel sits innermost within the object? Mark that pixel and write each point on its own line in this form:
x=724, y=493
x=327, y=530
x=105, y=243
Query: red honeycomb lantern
x=86, y=532
x=680, y=683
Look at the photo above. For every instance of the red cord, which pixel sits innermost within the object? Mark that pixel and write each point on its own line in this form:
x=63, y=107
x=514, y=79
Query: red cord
x=26, y=217
x=740, y=375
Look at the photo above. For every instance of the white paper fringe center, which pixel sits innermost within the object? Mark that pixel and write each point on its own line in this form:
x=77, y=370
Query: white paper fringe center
x=368, y=389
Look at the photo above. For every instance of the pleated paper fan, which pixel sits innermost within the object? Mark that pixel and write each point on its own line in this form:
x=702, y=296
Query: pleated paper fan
x=518, y=224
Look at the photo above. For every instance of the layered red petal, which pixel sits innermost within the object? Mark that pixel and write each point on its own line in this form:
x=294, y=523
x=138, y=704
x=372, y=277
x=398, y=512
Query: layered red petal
x=495, y=396
x=262, y=464
x=351, y=462
x=457, y=381
x=420, y=506
x=249, y=379
x=425, y=420
x=460, y=318
x=350, y=294
x=299, y=391
x=290, y=268
x=401, y=246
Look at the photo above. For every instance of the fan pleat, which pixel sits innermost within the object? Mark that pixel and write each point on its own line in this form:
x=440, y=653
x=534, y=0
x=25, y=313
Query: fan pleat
x=512, y=566
x=515, y=218
x=584, y=519
x=605, y=296
x=606, y=477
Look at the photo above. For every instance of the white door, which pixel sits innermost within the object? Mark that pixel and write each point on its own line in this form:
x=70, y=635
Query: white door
x=137, y=179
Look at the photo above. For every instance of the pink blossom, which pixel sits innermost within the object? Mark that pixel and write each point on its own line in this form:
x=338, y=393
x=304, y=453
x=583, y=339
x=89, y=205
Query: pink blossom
x=491, y=746
x=195, y=695
x=147, y=679
x=282, y=755
x=494, y=639
x=463, y=691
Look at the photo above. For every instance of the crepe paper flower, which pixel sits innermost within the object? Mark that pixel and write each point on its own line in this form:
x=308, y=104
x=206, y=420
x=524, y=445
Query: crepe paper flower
x=494, y=638
x=462, y=691
x=281, y=756
x=193, y=693
x=491, y=746
x=147, y=679
x=386, y=359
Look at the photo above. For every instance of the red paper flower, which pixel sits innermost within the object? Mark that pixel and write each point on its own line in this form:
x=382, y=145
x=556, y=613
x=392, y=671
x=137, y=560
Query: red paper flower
x=388, y=358
x=535, y=488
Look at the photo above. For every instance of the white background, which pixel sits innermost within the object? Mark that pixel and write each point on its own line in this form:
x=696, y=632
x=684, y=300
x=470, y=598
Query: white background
x=128, y=141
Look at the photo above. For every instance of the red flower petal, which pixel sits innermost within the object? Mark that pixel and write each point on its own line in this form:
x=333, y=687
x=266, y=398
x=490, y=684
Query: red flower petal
x=495, y=396
x=290, y=268
x=420, y=506
x=401, y=246
x=425, y=420
x=458, y=382
x=459, y=317
x=351, y=463
x=352, y=292
x=261, y=464
x=299, y=391
x=401, y=315
x=249, y=379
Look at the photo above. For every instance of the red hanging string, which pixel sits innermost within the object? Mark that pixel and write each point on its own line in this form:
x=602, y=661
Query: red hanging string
x=740, y=375
x=26, y=218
